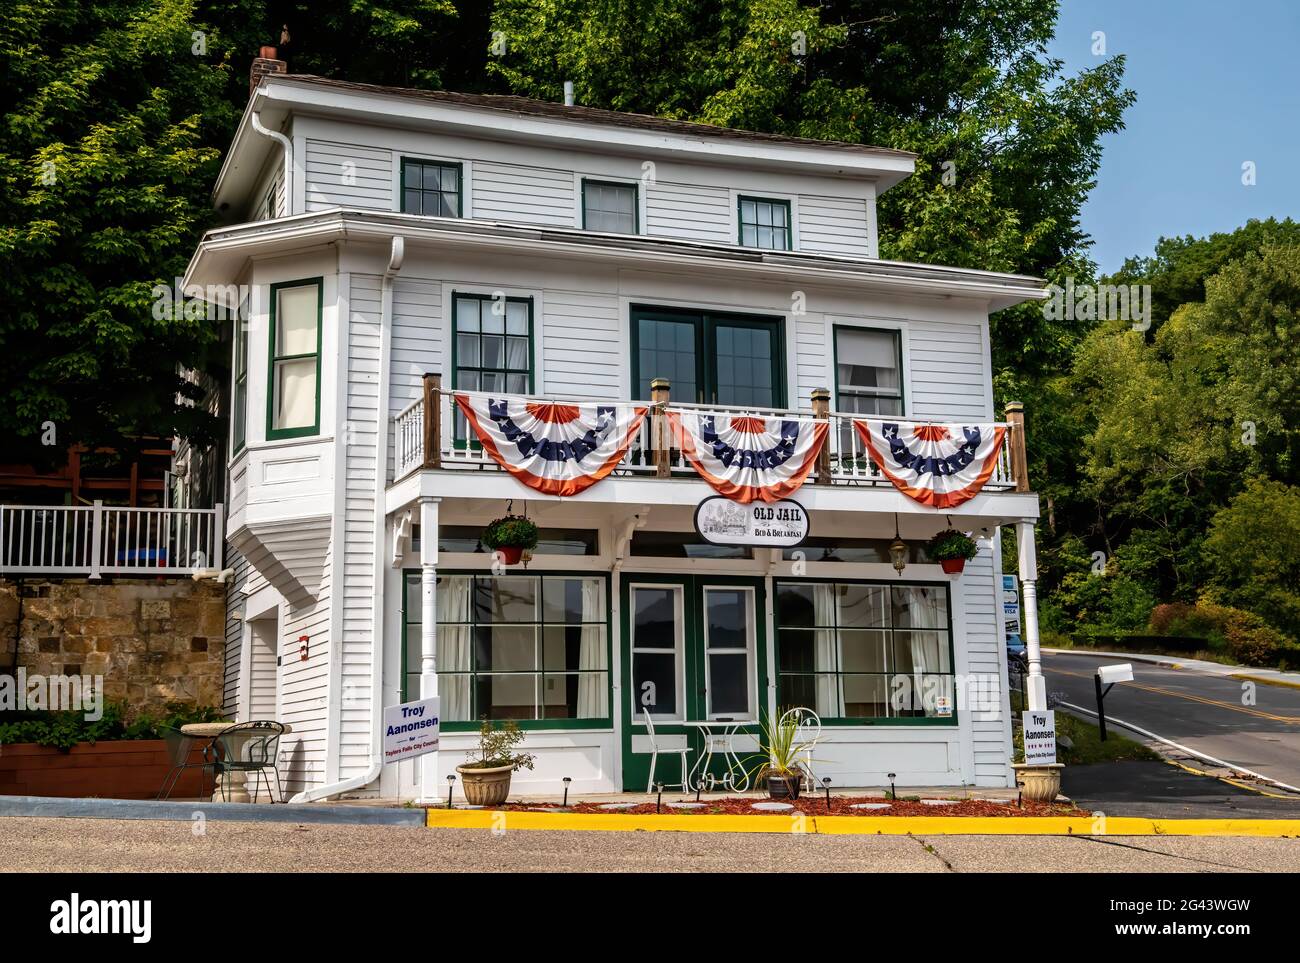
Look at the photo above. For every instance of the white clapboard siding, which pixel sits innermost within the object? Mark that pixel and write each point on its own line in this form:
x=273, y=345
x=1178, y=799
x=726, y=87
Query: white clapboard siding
x=947, y=375
x=304, y=689
x=833, y=225
x=417, y=346
x=360, y=539
x=261, y=669
x=272, y=185
x=813, y=366
x=531, y=195
x=581, y=345
x=348, y=175
x=234, y=632
x=689, y=211
x=984, y=652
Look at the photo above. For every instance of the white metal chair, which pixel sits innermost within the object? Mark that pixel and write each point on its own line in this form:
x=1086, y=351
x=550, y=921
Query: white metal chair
x=668, y=744
x=809, y=729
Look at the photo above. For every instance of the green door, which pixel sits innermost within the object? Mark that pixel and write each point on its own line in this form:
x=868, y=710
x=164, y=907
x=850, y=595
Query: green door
x=693, y=648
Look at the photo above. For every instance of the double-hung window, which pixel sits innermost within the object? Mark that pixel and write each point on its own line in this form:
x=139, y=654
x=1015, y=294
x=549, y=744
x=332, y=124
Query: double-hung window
x=239, y=396
x=294, y=393
x=764, y=222
x=431, y=187
x=609, y=207
x=493, y=344
x=868, y=371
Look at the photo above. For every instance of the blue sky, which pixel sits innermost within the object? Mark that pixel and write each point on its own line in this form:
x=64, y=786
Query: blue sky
x=1216, y=86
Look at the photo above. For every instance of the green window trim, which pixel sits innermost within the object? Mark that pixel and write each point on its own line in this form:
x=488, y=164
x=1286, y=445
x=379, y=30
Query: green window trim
x=602, y=723
x=898, y=343
x=239, y=391
x=461, y=435
x=774, y=202
x=636, y=199
x=874, y=721
x=409, y=162
x=302, y=431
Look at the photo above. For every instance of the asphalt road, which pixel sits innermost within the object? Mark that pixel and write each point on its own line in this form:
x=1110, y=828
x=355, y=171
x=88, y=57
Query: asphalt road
x=105, y=845
x=1211, y=714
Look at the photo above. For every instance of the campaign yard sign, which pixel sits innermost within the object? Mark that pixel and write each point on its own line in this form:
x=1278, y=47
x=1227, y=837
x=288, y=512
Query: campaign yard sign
x=1040, y=737
x=410, y=729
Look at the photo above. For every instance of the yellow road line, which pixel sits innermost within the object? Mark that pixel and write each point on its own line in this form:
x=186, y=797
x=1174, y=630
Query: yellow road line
x=1258, y=713
x=502, y=821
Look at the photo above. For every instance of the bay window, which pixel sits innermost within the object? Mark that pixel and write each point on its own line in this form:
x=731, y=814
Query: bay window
x=294, y=393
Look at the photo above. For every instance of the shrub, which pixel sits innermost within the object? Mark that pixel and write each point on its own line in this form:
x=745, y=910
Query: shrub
x=63, y=730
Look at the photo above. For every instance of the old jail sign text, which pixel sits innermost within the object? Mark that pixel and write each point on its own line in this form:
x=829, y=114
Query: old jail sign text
x=779, y=524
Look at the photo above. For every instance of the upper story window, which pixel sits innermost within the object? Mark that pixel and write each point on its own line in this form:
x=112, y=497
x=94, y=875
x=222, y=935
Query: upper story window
x=239, y=396
x=868, y=371
x=493, y=343
x=764, y=222
x=609, y=207
x=431, y=187
x=294, y=408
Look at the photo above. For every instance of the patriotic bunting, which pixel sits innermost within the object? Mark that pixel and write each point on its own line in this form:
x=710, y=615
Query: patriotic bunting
x=748, y=458
x=557, y=449
x=938, y=465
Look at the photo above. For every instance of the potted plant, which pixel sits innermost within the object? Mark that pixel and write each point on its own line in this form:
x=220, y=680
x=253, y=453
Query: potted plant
x=511, y=535
x=951, y=549
x=485, y=776
x=780, y=757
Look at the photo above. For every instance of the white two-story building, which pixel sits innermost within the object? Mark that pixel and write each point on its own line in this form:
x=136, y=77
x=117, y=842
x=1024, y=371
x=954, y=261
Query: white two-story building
x=403, y=245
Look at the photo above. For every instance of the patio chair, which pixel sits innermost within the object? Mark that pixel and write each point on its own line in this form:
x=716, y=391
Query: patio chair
x=251, y=748
x=669, y=744
x=809, y=733
x=180, y=748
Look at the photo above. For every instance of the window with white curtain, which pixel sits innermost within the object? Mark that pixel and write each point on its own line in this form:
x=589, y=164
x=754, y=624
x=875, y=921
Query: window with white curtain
x=868, y=371
x=533, y=648
x=863, y=651
x=609, y=207
x=295, y=359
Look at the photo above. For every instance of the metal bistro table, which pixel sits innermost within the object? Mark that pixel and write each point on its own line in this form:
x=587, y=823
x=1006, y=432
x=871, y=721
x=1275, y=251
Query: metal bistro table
x=719, y=736
x=238, y=779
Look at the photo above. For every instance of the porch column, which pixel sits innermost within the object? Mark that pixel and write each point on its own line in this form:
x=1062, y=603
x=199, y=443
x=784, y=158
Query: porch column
x=429, y=790
x=1035, y=684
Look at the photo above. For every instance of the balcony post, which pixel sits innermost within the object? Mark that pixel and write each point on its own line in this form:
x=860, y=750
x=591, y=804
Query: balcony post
x=432, y=421
x=821, y=409
x=660, y=390
x=96, y=538
x=1016, y=439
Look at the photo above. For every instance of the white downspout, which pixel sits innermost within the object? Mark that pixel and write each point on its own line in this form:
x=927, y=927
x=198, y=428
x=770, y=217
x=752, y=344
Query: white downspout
x=288, y=156
x=396, y=257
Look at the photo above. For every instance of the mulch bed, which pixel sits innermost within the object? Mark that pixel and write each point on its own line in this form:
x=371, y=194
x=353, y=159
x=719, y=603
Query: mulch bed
x=816, y=806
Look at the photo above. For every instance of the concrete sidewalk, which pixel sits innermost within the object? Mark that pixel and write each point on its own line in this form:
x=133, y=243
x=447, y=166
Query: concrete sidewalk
x=1276, y=676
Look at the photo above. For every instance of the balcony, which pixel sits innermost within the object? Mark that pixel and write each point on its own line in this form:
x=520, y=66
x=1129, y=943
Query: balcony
x=422, y=441
x=95, y=540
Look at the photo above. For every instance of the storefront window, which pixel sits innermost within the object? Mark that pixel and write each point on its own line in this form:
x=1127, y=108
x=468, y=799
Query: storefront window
x=865, y=652
x=525, y=647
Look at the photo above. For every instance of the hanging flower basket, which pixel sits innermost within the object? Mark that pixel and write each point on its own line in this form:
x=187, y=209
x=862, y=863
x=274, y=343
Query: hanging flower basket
x=951, y=549
x=511, y=535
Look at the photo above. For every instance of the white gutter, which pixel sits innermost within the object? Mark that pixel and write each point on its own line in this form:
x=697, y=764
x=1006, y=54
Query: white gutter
x=285, y=143
x=396, y=256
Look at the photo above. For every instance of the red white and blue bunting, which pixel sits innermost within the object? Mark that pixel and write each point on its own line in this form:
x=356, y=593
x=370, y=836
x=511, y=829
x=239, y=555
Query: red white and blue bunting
x=555, y=448
x=748, y=458
x=937, y=465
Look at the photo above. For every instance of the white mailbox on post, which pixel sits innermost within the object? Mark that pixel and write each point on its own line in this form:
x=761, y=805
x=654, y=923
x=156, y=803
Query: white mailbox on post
x=1108, y=675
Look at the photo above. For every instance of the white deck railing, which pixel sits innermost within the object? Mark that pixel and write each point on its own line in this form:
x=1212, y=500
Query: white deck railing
x=846, y=460
x=97, y=540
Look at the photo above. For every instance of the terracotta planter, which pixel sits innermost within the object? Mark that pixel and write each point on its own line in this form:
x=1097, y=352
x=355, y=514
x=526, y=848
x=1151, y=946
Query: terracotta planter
x=121, y=769
x=953, y=566
x=1038, y=782
x=783, y=787
x=485, y=787
x=511, y=554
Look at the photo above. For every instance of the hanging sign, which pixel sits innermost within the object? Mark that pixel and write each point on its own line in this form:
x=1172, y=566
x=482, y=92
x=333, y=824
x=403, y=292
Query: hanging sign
x=747, y=457
x=411, y=729
x=781, y=524
x=1011, y=605
x=556, y=449
x=937, y=465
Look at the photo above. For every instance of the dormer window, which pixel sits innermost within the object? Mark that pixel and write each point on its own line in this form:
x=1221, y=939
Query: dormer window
x=764, y=223
x=431, y=188
x=609, y=207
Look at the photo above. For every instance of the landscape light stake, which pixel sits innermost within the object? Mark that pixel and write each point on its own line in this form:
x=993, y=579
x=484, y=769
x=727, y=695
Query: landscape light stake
x=699, y=787
x=826, y=784
x=659, y=800
x=451, y=780
x=567, y=780
x=893, y=793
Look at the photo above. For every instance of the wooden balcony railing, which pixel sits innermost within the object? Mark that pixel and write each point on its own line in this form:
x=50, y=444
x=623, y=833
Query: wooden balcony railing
x=422, y=441
x=97, y=540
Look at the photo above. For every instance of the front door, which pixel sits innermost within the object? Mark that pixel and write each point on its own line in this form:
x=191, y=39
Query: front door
x=694, y=648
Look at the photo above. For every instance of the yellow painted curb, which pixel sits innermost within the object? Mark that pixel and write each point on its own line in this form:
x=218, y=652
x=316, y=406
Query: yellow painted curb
x=1265, y=680
x=501, y=820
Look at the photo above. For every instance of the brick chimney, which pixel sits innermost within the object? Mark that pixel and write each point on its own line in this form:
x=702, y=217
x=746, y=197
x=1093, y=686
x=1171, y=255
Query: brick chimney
x=264, y=64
